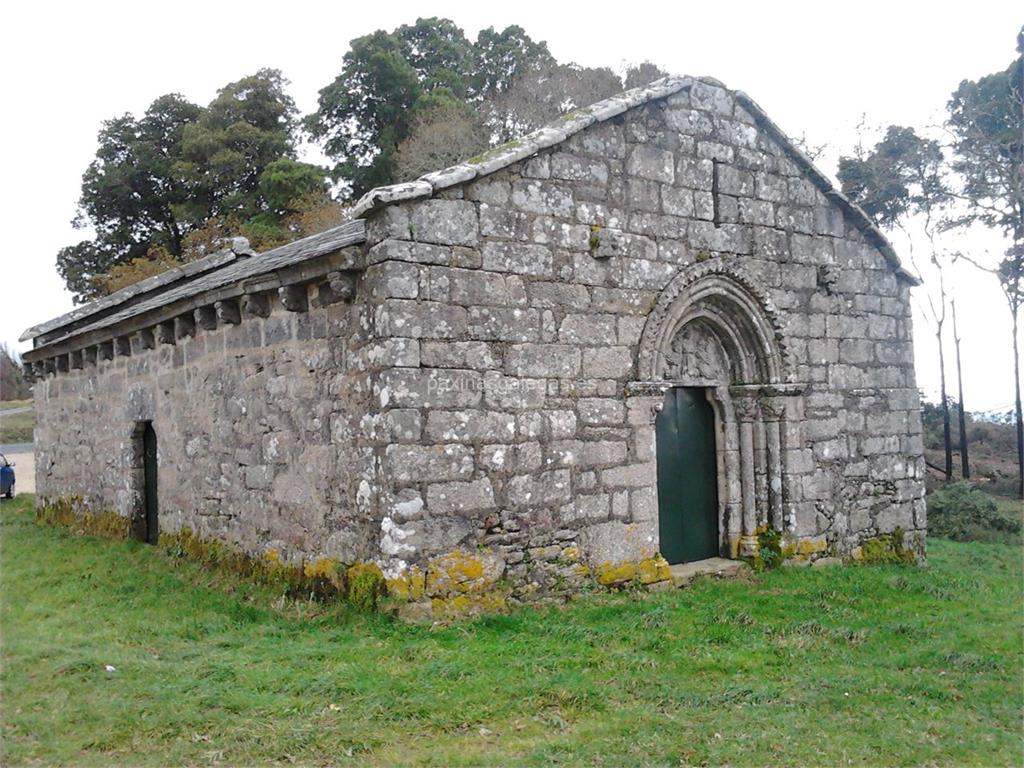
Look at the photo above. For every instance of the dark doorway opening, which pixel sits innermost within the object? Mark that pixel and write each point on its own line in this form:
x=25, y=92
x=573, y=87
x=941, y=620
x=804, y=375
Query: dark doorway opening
x=146, y=525
x=687, y=477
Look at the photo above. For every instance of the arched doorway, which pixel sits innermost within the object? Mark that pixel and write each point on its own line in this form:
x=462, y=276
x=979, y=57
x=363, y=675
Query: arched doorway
x=146, y=522
x=713, y=334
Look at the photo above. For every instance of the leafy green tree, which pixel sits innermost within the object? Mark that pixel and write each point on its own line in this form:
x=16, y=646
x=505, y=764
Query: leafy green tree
x=388, y=79
x=501, y=56
x=131, y=193
x=182, y=169
x=248, y=126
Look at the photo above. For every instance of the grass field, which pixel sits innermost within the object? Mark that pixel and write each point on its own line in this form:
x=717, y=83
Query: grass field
x=17, y=427
x=891, y=665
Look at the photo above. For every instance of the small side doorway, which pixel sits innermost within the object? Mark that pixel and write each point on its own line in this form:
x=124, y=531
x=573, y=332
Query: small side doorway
x=687, y=477
x=148, y=529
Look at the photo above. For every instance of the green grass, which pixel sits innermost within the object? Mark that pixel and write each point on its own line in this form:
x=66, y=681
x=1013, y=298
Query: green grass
x=17, y=427
x=892, y=665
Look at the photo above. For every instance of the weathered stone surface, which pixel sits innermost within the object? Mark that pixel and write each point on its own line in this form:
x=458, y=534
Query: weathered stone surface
x=479, y=405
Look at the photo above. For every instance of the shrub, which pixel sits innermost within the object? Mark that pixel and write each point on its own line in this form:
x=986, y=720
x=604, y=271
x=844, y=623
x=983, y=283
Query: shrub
x=961, y=512
x=769, y=550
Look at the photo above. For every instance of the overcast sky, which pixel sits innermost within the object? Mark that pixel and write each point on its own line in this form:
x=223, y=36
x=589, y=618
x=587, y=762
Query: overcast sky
x=816, y=71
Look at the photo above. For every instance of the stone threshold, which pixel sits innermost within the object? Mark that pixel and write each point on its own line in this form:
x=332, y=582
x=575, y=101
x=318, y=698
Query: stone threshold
x=718, y=567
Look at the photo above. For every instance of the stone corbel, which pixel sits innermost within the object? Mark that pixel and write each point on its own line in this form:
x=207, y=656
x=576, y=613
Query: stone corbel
x=339, y=286
x=294, y=297
x=184, y=326
x=206, y=318
x=256, y=304
x=228, y=312
x=165, y=332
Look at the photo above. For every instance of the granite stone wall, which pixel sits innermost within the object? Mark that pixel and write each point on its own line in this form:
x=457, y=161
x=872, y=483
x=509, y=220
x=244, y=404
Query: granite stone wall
x=254, y=426
x=535, y=308
x=480, y=419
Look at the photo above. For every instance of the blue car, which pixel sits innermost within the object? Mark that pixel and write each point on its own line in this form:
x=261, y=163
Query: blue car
x=6, y=478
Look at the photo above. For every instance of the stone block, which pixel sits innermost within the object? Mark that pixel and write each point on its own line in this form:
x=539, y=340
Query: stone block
x=425, y=463
x=540, y=490
x=470, y=426
x=608, y=363
x=651, y=163
x=474, y=355
x=544, y=198
x=518, y=258
x=429, y=388
x=460, y=498
x=543, y=360
x=444, y=222
x=420, y=319
x=501, y=324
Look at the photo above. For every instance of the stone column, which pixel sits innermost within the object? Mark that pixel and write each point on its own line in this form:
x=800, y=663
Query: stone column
x=773, y=410
x=747, y=414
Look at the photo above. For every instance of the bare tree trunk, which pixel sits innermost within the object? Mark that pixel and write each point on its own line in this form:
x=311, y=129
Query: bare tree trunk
x=947, y=440
x=1020, y=421
x=965, y=464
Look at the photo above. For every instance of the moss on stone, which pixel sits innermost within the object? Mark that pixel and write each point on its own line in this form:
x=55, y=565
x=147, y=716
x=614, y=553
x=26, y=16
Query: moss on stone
x=365, y=586
x=885, y=548
x=70, y=513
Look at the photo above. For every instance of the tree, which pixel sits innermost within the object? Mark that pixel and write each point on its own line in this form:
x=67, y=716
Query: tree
x=541, y=94
x=965, y=464
x=986, y=121
x=502, y=56
x=644, y=73
x=131, y=193
x=903, y=177
x=388, y=79
x=182, y=169
x=440, y=136
x=13, y=384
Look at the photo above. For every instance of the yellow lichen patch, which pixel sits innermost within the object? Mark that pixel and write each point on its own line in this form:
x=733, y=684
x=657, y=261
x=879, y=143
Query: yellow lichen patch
x=654, y=569
x=571, y=553
x=409, y=586
x=804, y=548
x=609, y=574
x=734, y=548
x=459, y=571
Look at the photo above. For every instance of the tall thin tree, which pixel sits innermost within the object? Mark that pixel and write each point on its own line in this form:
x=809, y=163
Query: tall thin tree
x=965, y=464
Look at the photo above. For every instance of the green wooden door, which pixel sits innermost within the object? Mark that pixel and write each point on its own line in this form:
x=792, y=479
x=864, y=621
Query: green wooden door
x=687, y=477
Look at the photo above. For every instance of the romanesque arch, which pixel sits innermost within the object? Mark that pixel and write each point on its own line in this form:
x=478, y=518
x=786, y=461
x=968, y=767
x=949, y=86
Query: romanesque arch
x=713, y=328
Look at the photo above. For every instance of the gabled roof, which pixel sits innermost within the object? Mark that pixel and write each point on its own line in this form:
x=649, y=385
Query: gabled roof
x=241, y=263
x=574, y=122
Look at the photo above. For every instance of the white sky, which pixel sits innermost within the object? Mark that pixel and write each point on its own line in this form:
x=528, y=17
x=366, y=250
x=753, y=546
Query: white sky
x=815, y=69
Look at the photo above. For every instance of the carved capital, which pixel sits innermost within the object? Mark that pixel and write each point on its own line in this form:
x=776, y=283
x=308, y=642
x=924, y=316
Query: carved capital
x=747, y=407
x=773, y=407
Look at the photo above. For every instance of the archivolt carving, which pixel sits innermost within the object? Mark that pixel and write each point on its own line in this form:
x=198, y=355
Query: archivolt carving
x=720, y=317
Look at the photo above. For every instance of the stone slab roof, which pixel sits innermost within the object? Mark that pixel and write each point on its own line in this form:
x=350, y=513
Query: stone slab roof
x=241, y=263
x=206, y=274
x=574, y=122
